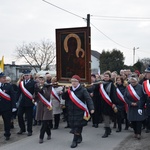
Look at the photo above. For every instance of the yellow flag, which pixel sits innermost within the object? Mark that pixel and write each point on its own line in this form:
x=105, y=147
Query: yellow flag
x=2, y=64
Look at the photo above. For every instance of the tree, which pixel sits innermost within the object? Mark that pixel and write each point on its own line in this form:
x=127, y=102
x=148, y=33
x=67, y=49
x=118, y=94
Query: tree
x=111, y=60
x=40, y=54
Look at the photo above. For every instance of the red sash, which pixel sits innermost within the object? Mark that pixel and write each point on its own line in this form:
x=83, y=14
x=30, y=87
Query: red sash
x=5, y=95
x=105, y=95
x=45, y=101
x=79, y=104
x=25, y=91
x=120, y=96
x=54, y=93
x=146, y=85
x=133, y=93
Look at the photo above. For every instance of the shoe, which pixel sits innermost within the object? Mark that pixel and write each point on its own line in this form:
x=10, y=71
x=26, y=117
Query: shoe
x=40, y=141
x=7, y=138
x=74, y=144
x=147, y=131
x=96, y=126
x=67, y=127
x=118, y=130
x=29, y=134
x=48, y=137
x=21, y=131
x=79, y=140
x=126, y=128
x=135, y=135
x=138, y=136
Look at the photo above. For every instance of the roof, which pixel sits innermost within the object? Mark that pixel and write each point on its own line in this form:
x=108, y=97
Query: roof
x=96, y=54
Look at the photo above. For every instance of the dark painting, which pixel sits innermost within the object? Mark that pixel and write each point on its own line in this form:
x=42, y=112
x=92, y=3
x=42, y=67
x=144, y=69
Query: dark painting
x=73, y=53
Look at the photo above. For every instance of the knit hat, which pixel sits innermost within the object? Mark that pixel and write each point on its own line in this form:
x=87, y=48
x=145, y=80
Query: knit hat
x=147, y=69
x=76, y=78
x=2, y=74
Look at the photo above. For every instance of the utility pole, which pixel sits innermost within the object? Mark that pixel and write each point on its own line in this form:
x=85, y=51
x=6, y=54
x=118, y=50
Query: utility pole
x=134, y=54
x=88, y=20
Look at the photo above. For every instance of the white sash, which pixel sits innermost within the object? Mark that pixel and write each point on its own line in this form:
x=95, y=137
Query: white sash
x=105, y=95
x=55, y=95
x=25, y=91
x=120, y=96
x=133, y=93
x=80, y=104
x=147, y=87
x=45, y=101
x=5, y=95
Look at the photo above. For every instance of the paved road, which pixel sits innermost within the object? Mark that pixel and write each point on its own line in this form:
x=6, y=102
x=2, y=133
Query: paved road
x=61, y=139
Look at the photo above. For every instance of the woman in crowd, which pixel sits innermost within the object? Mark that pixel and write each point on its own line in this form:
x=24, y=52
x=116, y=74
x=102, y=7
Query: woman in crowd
x=122, y=105
x=44, y=114
x=133, y=95
x=77, y=97
x=56, y=102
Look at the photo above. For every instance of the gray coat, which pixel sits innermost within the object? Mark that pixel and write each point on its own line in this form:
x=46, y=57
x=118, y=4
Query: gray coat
x=132, y=113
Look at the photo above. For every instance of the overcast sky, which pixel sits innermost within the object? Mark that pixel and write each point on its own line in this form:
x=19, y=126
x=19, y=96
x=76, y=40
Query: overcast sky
x=34, y=20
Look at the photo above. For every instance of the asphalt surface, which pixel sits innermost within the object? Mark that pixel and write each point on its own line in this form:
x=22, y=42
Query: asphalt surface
x=61, y=139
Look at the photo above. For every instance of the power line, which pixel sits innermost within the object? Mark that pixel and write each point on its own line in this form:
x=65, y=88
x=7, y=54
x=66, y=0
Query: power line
x=117, y=17
x=63, y=9
x=109, y=37
x=84, y=19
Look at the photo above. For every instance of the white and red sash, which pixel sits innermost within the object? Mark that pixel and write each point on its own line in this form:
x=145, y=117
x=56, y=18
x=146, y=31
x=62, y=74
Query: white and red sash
x=79, y=104
x=120, y=96
x=5, y=95
x=133, y=93
x=25, y=91
x=45, y=101
x=55, y=95
x=146, y=85
x=105, y=95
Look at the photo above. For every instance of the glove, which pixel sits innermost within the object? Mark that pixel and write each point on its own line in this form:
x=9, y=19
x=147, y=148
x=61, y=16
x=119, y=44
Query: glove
x=35, y=103
x=140, y=111
x=14, y=109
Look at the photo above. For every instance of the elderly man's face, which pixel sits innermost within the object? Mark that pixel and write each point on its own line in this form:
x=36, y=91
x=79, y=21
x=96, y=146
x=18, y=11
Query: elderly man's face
x=3, y=79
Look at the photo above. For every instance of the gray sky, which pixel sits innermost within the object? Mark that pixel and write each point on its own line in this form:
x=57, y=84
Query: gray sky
x=34, y=20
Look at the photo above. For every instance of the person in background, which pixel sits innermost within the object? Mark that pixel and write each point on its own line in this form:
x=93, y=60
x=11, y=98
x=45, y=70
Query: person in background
x=146, y=101
x=56, y=101
x=133, y=95
x=42, y=98
x=15, y=88
x=7, y=104
x=122, y=105
x=48, y=78
x=79, y=105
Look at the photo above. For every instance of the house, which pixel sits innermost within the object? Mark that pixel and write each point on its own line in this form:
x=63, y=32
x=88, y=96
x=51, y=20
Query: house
x=95, y=65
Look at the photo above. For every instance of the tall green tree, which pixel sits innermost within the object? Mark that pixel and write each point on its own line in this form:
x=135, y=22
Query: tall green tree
x=111, y=60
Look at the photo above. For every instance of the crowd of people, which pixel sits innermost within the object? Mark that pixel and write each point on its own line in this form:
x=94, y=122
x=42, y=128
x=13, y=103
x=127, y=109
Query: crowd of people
x=110, y=98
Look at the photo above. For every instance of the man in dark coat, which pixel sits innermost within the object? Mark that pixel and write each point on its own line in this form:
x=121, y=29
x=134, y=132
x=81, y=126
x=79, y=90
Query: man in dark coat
x=107, y=97
x=146, y=83
x=26, y=89
x=79, y=102
x=7, y=103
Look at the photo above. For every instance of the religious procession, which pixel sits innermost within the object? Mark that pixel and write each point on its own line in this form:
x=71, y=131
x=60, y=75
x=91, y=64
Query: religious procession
x=111, y=98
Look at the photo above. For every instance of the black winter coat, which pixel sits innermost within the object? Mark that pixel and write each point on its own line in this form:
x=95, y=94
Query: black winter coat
x=25, y=101
x=106, y=109
x=75, y=114
x=6, y=105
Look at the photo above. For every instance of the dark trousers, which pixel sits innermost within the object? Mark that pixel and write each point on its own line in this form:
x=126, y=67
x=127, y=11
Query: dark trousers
x=6, y=115
x=137, y=126
x=148, y=122
x=46, y=127
x=95, y=117
x=77, y=130
x=119, y=119
x=29, y=116
x=56, y=120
